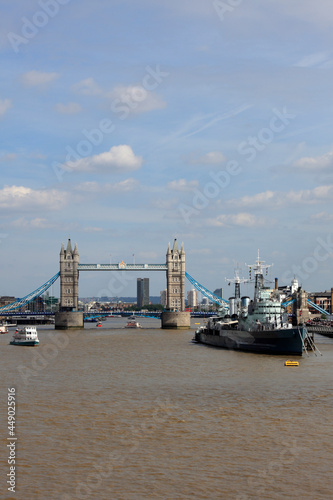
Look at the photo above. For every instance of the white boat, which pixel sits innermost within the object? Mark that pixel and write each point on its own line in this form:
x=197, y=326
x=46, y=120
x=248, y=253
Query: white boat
x=25, y=336
x=133, y=324
x=3, y=328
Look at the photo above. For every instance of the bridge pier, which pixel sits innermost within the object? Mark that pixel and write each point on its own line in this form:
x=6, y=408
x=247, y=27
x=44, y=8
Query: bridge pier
x=67, y=320
x=176, y=320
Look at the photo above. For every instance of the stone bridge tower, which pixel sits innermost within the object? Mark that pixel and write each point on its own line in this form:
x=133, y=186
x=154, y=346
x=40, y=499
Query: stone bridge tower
x=69, y=277
x=175, y=316
x=175, y=260
x=68, y=315
x=301, y=310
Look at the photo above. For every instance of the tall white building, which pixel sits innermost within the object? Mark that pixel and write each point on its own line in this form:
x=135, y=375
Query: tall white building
x=294, y=285
x=192, y=298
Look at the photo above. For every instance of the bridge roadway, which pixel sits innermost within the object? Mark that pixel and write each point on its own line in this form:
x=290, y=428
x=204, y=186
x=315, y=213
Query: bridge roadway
x=146, y=314
x=122, y=267
x=31, y=315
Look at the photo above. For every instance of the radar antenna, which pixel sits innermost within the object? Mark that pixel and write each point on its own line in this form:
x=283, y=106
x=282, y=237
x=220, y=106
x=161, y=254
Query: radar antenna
x=258, y=269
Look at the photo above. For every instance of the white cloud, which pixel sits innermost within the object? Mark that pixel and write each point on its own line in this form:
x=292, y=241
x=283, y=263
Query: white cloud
x=5, y=104
x=211, y=158
x=310, y=196
x=87, y=87
x=313, y=60
x=24, y=198
x=119, y=158
x=182, y=185
x=315, y=163
x=255, y=200
x=271, y=199
x=8, y=157
x=37, y=223
x=127, y=185
x=241, y=219
x=37, y=78
x=322, y=217
x=125, y=98
x=68, y=109
x=136, y=99
x=168, y=204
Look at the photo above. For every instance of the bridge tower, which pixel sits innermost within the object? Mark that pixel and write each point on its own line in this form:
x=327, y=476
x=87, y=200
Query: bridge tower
x=175, y=316
x=68, y=315
x=175, y=260
x=69, y=277
x=301, y=310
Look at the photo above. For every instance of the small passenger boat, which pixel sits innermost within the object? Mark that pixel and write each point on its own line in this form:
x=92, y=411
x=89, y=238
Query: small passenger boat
x=133, y=324
x=25, y=336
x=3, y=328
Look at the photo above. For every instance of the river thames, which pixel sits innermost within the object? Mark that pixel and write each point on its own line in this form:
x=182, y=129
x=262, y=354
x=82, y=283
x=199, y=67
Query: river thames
x=113, y=413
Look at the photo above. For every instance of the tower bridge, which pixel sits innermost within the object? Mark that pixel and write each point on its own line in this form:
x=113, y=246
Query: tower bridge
x=174, y=317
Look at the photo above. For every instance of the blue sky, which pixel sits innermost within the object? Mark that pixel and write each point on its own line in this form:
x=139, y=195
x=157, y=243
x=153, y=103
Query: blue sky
x=124, y=122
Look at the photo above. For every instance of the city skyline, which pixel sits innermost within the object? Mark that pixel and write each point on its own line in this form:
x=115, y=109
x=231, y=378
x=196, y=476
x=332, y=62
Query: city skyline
x=125, y=122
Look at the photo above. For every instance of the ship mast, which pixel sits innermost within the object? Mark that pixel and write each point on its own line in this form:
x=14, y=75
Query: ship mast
x=237, y=281
x=259, y=279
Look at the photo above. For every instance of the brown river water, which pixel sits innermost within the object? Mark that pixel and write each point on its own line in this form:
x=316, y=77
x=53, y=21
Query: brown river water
x=120, y=414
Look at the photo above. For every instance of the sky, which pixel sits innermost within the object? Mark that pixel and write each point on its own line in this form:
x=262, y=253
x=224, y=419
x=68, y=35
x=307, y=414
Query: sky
x=125, y=122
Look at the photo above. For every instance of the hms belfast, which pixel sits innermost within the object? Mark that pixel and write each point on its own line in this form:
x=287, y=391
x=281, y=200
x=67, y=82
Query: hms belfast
x=260, y=325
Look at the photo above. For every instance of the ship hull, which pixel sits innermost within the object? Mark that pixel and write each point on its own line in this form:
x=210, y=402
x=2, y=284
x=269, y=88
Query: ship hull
x=24, y=342
x=283, y=341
